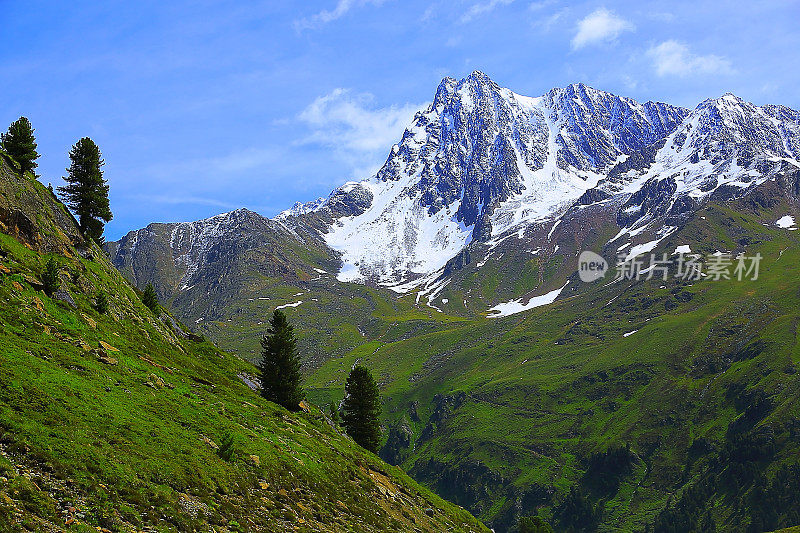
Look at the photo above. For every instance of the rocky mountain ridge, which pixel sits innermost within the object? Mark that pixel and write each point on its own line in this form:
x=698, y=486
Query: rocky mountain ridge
x=482, y=165
x=483, y=161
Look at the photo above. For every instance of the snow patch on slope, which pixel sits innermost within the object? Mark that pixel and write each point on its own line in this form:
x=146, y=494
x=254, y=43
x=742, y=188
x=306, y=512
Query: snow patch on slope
x=682, y=249
x=516, y=306
x=397, y=236
x=284, y=306
x=785, y=222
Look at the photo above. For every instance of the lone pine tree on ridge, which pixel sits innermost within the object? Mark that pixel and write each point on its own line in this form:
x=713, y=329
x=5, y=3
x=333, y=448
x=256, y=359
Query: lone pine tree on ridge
x=20, y=144
x=361, y=409
x=281, y=381
x=86, y=192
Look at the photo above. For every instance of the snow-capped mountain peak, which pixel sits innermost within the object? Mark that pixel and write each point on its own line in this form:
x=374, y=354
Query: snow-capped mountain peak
x=301, y=208
x=482, y=160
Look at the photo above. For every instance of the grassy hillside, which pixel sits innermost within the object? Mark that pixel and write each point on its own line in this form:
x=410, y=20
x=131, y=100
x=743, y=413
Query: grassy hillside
x=117, y=420
x=635, y=406
x=641, y=405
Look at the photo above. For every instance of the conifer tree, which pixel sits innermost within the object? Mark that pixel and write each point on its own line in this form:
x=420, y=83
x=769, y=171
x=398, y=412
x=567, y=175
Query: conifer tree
x=150, y=299
x=50, y=278
x=20, y=144
x=281, y=381
x=228, y=446
x=86, y=192
x=334, y=412
x=101, y=303
x=361, y=410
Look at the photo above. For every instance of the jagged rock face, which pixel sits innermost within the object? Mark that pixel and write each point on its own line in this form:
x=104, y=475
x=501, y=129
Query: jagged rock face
x=722, y=150
x=729, y=127
x=349, y=201
x=464, y=148
x=481, y=162
x=597, y=127
x=481, y=158
x=653, y=195
x=213, y=254
x=20, y=214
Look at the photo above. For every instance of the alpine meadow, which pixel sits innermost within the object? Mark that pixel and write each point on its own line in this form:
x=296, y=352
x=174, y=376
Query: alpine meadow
x=567, y=311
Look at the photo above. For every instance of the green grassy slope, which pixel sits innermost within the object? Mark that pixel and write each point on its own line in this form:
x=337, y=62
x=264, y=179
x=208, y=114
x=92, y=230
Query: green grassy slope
x=688, y=423
x=114, y=420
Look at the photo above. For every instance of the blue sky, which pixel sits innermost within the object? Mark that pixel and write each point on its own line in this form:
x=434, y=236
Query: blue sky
x=201, y=107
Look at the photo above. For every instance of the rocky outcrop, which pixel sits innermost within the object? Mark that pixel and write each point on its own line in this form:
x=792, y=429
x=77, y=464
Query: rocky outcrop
x=23, y=209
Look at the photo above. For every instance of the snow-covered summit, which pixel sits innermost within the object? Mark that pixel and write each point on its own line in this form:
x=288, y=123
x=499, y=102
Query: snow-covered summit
x=480, y=160
x=482, y=164
x=722, y=149
x=301, y=208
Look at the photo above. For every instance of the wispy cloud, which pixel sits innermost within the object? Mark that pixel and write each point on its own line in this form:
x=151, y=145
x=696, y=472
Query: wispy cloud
x=547, y=22
x=537, y=6
x=481, y=8
x=181, y=200
x=675, y=58
x=325, y=16
x=356, y=129
x=599, y=26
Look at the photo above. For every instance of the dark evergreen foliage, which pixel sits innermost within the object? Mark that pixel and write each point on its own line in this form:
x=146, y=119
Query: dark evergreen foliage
x=20, y=144
x=577, y=512
x=101, y=303
x=333, y=409
x=533, y=524
x=150, y=299
x=737, y=475
x=50, y=278
x=397, y=447
x=228, y=447
x=362, y=409
x=605, y=470
x=281, y=381
x=86, y=192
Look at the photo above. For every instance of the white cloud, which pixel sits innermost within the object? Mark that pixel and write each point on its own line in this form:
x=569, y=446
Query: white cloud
x=599, y=26
x=540, y=5
x=481, y=8
x=674, y=58
x=180, y=199
x=326, y=16
x=536, y=6
x=355, y=128
x=661, y=16
x=428, y=13
x=545, y=24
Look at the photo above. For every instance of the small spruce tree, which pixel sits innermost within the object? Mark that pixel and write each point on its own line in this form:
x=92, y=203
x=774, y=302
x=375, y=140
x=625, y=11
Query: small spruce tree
x=281, y=381
x=150, y=299
x=361, y=410
x=86, y=192
x=101, y=303
x=20, y=144
x=228, y=446
x=50, y=278
x=334, y=412
x=533, y=524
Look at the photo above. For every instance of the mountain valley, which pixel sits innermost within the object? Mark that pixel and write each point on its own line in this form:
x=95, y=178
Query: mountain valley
x=511, y=387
